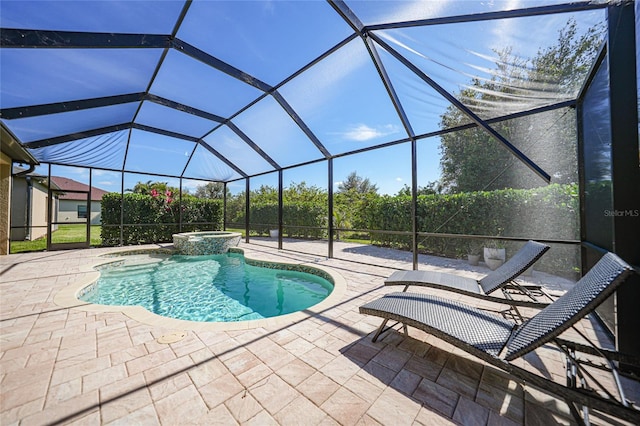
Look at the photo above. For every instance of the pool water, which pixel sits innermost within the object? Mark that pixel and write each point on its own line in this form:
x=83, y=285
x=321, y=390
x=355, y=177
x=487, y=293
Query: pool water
x=211, y=288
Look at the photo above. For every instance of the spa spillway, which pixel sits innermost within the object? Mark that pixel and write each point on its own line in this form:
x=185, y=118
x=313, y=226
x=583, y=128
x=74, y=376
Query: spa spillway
x=205, y=243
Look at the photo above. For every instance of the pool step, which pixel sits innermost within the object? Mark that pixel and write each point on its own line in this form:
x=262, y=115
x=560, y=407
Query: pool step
x=144, y=261
x=135, y=269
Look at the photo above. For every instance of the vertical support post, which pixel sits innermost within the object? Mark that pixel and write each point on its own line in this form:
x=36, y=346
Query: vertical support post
x=121, y=208
x=89, y=208
x=224, y=206
x=330, y=206
x=625, y=167
x=414, y=202
x=581, y=178
x=49, y=209
x=280, y=204
x=180, y=208
x=247, y=210
x=6, y=187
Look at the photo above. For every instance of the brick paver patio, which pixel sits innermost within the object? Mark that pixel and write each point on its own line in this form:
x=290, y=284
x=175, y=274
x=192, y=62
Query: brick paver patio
x=81, y=366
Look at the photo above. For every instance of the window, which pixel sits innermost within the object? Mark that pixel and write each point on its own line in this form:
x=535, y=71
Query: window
x=82, y=211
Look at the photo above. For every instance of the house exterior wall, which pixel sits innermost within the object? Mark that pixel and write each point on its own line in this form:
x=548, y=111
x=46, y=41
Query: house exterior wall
x=68, y=211
x=96, y=212
x=20, y=195
x=38, y=211
x=18, y=209
x=5, y=202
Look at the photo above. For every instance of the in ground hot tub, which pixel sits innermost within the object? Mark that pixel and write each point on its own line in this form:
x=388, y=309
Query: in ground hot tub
x=206, y=242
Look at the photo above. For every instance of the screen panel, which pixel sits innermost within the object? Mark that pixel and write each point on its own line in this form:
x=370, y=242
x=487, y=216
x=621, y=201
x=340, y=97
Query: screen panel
x=43, y=76
x=344, y=102
x=154, y=153
x=596, y=132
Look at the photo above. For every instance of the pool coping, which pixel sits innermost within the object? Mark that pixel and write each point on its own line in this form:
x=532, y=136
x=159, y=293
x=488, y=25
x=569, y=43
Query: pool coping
x=67, y=298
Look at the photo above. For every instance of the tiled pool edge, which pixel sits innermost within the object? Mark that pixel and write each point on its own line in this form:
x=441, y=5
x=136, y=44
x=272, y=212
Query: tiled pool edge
x=67, y=297
x=205, y=242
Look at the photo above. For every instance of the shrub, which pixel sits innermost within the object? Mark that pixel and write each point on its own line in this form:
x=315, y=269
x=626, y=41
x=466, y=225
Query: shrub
x=153, y=219
x=542, y=213
x=304, y=219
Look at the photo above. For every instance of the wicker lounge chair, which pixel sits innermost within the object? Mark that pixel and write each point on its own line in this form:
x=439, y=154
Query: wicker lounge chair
x=502, y=278
x=499, y=341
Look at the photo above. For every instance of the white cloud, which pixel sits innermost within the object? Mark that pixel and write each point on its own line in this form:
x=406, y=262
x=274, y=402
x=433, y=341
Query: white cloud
x=398, y=179
x=362, y=132
x=192, y=184
x=235, y=187
x=503, y=29
x=410, y=10
x=189, y=185
x=269, y=8
x=323, y=83
x=71, y=170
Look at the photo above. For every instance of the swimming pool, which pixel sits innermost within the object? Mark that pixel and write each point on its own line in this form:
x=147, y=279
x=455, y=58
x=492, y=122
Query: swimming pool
x=214, y=288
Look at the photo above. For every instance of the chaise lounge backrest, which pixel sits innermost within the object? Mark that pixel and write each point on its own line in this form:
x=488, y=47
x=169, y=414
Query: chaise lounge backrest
x=516, y=265
x=591, y=290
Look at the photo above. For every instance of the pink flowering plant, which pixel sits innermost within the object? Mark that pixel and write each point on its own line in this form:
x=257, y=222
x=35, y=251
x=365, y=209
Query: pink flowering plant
x=152, y=213
x=165, y=206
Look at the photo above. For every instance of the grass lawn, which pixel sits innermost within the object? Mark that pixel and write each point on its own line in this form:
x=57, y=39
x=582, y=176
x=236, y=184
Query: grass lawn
x=22, y=246
x=64, y=234
x=241, y=231
x=76, y=233
x=355, y=240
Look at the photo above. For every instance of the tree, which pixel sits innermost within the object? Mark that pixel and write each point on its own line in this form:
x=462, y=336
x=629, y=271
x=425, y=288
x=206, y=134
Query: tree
x=472, y=160
x=142, y=187
x=212, y=190
x=149, y=187
x=264, y=194
x=352, y=198
x=340, y=221
x=430, y=188
x=301, y=193
x=357, y=184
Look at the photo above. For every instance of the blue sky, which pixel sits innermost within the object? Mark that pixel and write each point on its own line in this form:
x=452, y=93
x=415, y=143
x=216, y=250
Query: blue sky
x=341, y=99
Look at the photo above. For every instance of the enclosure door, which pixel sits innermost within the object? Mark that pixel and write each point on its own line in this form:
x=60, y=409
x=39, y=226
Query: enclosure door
x=70, y=222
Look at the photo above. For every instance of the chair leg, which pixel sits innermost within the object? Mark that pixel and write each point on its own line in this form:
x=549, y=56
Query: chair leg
x=512, y=308
x=573, y=376
x=576, y=414
x=383, y=329
x=380, y=329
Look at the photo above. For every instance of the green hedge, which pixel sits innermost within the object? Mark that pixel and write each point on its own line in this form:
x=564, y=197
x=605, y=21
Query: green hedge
x=549, y=212
x=153, y=219
x=308, y=215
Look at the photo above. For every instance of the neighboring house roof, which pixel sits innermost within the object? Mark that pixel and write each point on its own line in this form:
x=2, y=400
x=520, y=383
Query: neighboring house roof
x=66, y=184
x=41, y=179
